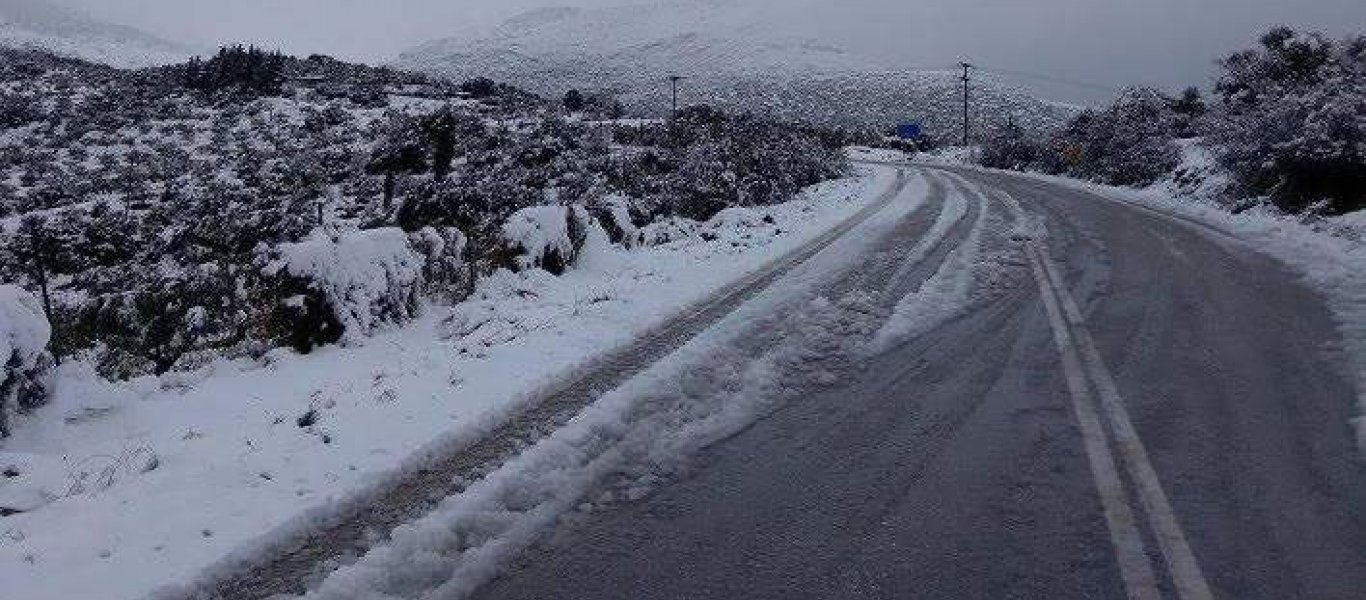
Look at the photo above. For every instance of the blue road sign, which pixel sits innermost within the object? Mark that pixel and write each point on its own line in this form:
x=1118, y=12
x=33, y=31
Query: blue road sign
x=909, y=131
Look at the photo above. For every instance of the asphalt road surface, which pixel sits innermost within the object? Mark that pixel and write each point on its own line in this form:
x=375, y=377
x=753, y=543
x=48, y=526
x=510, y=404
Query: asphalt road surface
x=1134, y=407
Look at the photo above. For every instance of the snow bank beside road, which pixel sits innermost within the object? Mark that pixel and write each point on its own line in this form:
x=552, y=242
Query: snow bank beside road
x=249, y=452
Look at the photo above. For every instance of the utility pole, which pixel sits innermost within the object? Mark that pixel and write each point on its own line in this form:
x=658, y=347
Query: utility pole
x=967, y=78
x=673, y=81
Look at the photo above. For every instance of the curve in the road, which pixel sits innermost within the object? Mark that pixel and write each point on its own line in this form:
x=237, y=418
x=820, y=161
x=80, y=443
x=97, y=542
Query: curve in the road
x=954, y=466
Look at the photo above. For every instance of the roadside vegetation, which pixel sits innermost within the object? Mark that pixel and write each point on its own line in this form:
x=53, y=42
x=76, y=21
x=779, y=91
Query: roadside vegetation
x=1286, y=121
x=252, y=201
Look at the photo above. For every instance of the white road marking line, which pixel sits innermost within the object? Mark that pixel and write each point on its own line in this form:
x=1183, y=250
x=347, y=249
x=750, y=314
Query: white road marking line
x=1185, y=571
x=1134, y=567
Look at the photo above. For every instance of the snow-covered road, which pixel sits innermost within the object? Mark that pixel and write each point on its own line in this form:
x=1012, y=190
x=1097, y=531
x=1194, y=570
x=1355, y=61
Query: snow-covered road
x=957, y=383
x=1125, y=405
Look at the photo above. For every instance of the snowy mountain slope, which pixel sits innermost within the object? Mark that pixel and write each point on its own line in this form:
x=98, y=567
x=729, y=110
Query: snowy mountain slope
x=736, y=54
x=38, y=24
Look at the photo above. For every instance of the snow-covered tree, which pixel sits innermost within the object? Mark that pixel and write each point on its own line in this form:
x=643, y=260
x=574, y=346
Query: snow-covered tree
x=1128, y=143
x=1292, y=122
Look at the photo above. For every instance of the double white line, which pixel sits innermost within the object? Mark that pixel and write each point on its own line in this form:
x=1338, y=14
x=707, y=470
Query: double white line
x=1090, y=383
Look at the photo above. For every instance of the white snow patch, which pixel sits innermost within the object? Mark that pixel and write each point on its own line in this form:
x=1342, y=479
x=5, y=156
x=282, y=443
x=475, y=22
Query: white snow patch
x=884, y=155
x=951, y=155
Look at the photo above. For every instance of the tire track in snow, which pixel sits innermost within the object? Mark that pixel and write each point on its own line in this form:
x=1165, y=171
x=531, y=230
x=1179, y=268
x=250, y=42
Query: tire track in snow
x=642, y=433
x=286, y=567
x=945, y=292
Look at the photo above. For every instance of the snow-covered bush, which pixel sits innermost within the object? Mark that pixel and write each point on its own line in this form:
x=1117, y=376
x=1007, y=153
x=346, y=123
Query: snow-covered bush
x=667, y=230
x=367, y=278
x=545, y=237
x=706, y=161
x=1199, y=176
x=1292, y=125
x=24, y=360
x=614, y=214
x=255, y=201
x=1128, y=143
x=1131, y=142
x=446, y=273
x=1010, y=147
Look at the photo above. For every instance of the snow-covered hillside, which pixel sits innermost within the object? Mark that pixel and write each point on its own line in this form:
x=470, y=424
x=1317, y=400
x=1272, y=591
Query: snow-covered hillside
x=736, y=54
x=38, y=24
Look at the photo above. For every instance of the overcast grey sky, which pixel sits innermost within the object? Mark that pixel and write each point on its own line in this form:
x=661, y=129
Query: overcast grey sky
x=1167, y=43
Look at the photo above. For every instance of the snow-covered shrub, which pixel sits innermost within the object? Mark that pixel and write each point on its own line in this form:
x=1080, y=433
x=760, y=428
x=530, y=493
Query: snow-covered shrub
x=709, y=160
x=614, y=215
x=367, y=277
x=445, y=271
x=545, y=237
x=1292, y=125
x=740, y=227
x=1010, y=147
x=167, y=192
x=1199, y=176
x=1128, y=143
x=24, y=360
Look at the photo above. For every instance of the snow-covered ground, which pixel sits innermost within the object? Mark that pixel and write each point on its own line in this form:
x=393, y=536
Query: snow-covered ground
x=151, y=482
x=865, y=154
x=948, y=155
